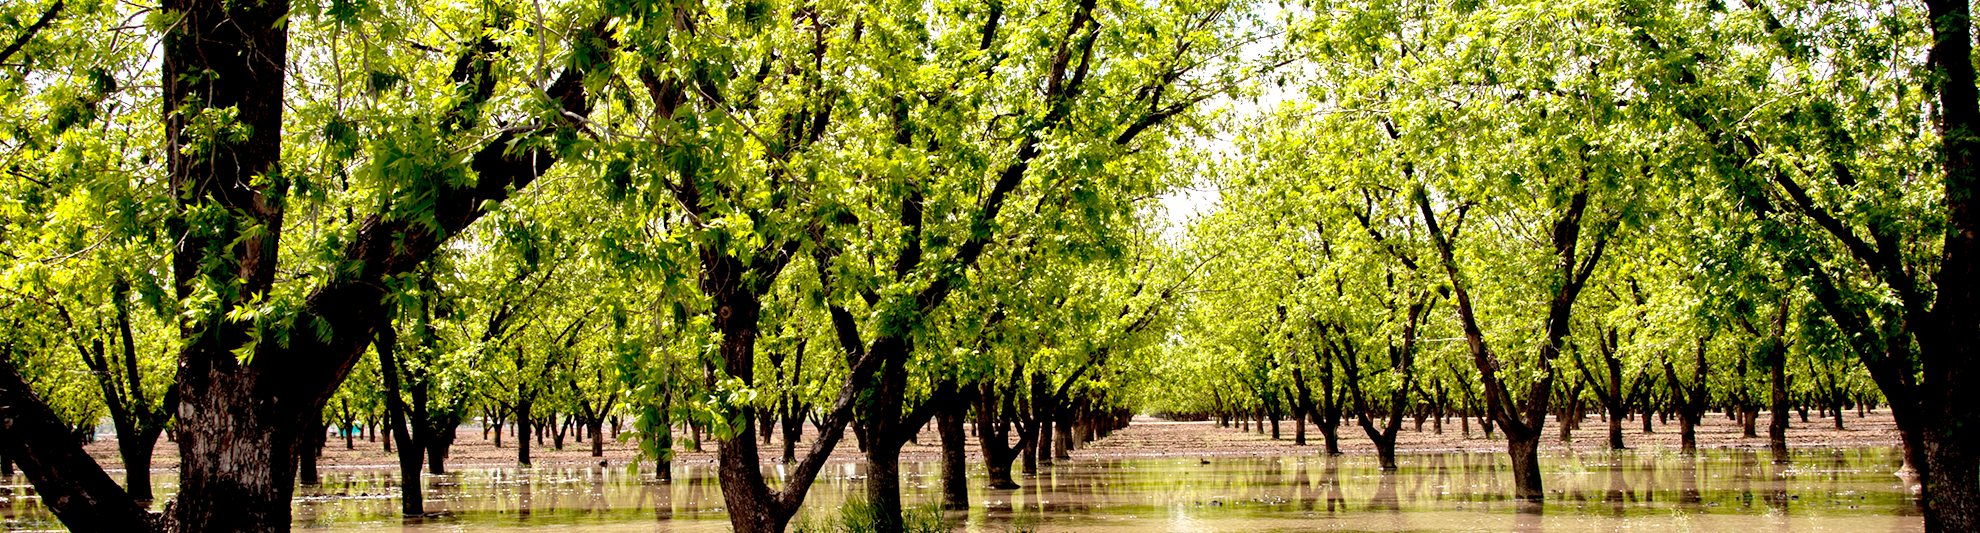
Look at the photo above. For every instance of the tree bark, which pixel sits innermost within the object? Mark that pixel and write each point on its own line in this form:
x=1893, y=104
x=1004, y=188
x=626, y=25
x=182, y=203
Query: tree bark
x=889, y=431
x=523, y=423
x=70, y=482
x=955, y=484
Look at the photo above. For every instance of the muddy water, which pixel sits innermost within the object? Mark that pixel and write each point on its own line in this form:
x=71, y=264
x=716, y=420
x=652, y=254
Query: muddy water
x=1723, y=490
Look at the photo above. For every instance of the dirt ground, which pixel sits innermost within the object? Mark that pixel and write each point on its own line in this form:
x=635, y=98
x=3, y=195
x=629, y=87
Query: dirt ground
x=1145, y=437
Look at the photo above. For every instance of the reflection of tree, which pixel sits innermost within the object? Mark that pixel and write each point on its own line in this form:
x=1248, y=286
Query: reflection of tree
x=662, y=496
x=1385, y=494
x=1777, y=496
x=1688, y=482
x=1648, y=467
x=1529, y=518
x=523, y=495
x=1619, y=491
x=1749, y=466
x=1331, y=477
x=1443, y=483
x=598, y=503
x=1302, y=493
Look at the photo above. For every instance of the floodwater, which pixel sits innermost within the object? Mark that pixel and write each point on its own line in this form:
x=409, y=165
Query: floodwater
x=1737, y=490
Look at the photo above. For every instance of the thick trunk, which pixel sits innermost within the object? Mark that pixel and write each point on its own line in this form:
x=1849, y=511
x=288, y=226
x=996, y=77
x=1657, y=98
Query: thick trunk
x=955, y=483
x=1273, y=414
x=1951, y=496
x=887, y=434
x=1948, y=354
x=1525, y=453
x=557, y=431
x=995, y=410
x=1330, y=432
x=793, y=429
x=1385, y=450
x=883, y=483
x=438, y=441
x=1299, y=429
x=1062, y=441
x=236, y=436
x=236, y=453
x=1615, y=428
x=1749, y=416
x=69, y=481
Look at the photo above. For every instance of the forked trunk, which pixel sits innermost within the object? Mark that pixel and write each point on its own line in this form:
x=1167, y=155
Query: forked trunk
x=137, y=461
x=411, y=498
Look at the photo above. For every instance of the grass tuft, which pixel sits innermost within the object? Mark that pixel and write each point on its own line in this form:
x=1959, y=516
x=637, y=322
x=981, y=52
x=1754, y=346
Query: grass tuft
x=858, y=516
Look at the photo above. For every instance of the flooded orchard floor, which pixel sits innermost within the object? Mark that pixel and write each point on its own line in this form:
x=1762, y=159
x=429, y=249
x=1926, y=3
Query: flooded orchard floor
x=1735, y=490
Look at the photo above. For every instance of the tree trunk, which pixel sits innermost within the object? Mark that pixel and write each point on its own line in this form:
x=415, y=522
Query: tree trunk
x=523, y=424
x=137, y=461
x=1044, y=406
x=886, y=434
x=411, y=497
x=996, y=409
x=883, y=483
x=793, y=428
x=1688, y=432
x=597, y=436
x=1506, y=410
x=1749, y=417
x=312, y=450
x=1330, y=433
x=1524, y=450
x=1778, y=426
x=955, y=483
x=557, y=431
x=70, y=482
x=1062, y=442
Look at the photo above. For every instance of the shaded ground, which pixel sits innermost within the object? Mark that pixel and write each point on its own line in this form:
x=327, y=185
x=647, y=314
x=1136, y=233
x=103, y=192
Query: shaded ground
x=1147, y=437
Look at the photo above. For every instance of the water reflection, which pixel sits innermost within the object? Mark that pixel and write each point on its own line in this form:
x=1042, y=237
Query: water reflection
x=1725, y=490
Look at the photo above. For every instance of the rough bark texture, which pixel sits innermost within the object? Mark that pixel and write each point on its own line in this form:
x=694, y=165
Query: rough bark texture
x=1951, y=425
